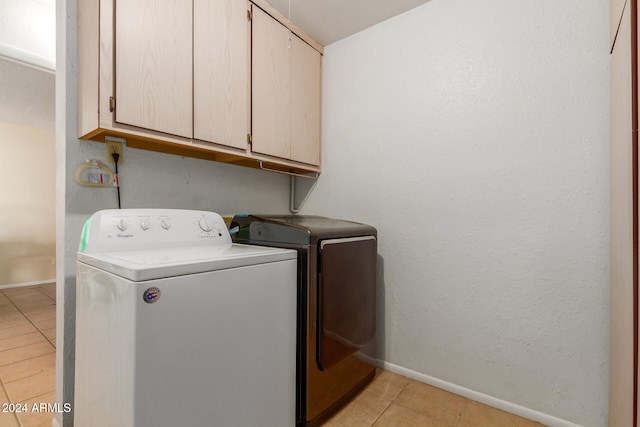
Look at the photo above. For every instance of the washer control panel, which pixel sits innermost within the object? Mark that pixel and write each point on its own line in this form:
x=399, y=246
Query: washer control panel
x=132, y=229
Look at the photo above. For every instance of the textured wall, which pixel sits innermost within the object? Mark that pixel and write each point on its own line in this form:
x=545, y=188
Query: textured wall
x=474, y=135
x=27, y=206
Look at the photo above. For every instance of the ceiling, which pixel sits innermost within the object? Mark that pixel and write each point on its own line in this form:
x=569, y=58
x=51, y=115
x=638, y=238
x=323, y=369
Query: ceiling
x=27, y=94
x=328, y=21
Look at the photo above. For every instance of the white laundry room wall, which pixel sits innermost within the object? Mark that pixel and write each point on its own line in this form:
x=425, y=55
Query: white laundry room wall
x=475, y=136
x=27, y=205
x=148, y=180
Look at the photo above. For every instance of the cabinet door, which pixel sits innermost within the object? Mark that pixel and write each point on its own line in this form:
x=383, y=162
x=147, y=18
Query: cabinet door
x=153, y=83
x=221, y=72
x=306, y=82
x=270, y=88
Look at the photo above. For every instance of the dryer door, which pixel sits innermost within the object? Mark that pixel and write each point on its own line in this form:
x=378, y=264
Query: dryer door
x=346, y=299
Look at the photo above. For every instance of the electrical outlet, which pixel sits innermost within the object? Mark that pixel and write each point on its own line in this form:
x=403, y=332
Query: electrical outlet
x=114, y=147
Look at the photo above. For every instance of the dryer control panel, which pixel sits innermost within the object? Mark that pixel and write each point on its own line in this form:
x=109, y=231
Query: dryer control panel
x=133, y=229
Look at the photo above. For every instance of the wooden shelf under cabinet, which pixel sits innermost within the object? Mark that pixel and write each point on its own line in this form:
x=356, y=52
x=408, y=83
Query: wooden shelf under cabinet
x=203, y=150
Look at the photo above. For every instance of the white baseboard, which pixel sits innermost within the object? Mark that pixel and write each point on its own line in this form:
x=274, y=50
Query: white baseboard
x=513, y=408
x=20, y=285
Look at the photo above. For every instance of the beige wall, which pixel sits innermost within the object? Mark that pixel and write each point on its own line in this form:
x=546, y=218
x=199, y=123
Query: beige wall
x=27, y=204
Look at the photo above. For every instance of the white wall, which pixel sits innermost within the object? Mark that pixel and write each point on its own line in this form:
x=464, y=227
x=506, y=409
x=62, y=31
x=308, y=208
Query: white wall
x=147, y=180
x=474, y=136
x=27, y=205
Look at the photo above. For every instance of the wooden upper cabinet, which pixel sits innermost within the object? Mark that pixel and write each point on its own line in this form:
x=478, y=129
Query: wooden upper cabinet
x=221, y=72
x=153, y=78
x=306, y=103
x=286, y=92
x=271, y=86
x=201, y=78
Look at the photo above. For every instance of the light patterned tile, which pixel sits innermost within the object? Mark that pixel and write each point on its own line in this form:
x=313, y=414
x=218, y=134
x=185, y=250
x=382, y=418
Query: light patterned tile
x=27, y=352
x=33, y=304
x=418, y=405
x=9, y=320
x=45, y=324
x=433, y=402
x=47, y=288
x=6, y=305
x=23, y=294
x=5, y=301
x=387, y=385
x=51, y=287
x=20, y=290
x=19, y=328
x=21, y=340
x=31, y=301
x=397, y=415
x=8, y=311
x=50, y=333
x=49, y=293
x=7, y=327
x=40, y=311
x=36, y=304
x=42, y=316
x=7, y=419
x=476, y=414
x=39, y=417
x=30, y=387
x=46, y=423
x=27, y=368
x=362, y=411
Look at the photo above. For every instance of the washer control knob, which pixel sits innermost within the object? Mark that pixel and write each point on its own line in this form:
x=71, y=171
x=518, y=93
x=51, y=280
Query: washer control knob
x=144, y=224
x=205, y=224
x=122, y=225
x=165, y=224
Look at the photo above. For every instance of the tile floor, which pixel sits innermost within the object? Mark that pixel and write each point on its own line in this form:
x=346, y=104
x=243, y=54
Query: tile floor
x=27, y=354
x=392, y=400
x=27, y=375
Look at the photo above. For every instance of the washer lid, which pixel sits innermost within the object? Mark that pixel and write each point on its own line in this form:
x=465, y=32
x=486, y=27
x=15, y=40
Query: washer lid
x=148, y=264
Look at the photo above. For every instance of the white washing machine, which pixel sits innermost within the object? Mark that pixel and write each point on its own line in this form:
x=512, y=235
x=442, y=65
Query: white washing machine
x=177, y=326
